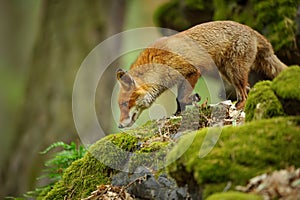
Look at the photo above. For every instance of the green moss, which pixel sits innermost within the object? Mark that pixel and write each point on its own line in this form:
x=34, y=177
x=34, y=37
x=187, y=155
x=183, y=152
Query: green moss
x=124, y=141
x=80, y=179
x=287, y=85
x=278, y=26
x=180, y=15
x=106, y=157
x=262, y=103
x=152, y=156
x=240, y=153
x=154, y=146
x=234, y=196
x=95, y=168
x=213, y=187
x=232, y=10
x=169, y=14
x=144, y=132
x=280, y=97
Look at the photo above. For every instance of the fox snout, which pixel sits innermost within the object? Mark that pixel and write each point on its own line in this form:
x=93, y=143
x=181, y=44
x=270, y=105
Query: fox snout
x=128, y=118
x=122, y=125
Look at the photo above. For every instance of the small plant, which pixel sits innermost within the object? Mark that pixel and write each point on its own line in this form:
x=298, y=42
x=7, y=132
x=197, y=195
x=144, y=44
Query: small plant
x=56, y=166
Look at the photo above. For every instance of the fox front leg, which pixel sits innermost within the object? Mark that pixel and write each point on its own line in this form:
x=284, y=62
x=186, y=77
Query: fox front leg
x=185, y=96
x=181, y=106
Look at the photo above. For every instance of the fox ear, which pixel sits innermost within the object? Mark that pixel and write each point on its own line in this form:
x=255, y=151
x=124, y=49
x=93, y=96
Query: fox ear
x=125, y=79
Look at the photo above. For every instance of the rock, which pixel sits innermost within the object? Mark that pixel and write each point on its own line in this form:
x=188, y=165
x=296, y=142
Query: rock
x=241, y=153
x=95, y=168
x=143, y=185
x=287, y=87
x=120, y=155
x=136, y=160
x=262, y=103
x=279, y=97
x=80, y=179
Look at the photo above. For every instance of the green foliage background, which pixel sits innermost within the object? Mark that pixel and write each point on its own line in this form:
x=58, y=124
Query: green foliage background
x=273, y=18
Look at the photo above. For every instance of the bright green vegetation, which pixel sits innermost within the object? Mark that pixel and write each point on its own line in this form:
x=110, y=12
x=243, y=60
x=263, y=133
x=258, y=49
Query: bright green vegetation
x=262, y=103
x=277, y=98
x=240, y=154
x=106, y=157
x=82, y=177
x=266, y=143
x=234, y=196
x=145, y=146
x=278, y=26
x=56, y=166
x=287, y=84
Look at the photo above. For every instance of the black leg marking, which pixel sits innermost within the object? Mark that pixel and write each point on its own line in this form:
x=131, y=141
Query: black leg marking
x=180, y=107
x=195, y=97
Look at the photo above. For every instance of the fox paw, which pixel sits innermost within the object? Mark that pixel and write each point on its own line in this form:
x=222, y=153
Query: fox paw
x=240, y=105
x=195, y=97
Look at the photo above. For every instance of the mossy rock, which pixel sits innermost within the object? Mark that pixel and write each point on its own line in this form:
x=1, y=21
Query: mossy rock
x=143, y=146
x=80, y=179
x=108, y=156
x=287, y=87
x=287, y=84
x=279, y=97
x=234, y=196
x=95, y=168
x=240, y=153
x=262, y=103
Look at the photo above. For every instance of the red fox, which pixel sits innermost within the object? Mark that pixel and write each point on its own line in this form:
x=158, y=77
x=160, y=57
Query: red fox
x=182, y=58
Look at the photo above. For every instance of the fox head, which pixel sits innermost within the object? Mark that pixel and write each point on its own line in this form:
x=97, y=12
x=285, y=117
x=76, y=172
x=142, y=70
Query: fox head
x=132, y=100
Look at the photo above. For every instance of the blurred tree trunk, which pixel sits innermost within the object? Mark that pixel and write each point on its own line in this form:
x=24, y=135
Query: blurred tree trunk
x=18, y=25
x=68, y=31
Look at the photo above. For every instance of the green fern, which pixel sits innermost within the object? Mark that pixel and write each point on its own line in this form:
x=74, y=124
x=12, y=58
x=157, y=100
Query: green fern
x=57, y=165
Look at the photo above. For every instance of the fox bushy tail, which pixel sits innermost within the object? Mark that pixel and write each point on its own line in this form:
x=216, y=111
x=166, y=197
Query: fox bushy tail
x=266, y=61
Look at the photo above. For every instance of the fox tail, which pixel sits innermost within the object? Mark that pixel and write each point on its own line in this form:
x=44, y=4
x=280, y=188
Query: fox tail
x=266, y=61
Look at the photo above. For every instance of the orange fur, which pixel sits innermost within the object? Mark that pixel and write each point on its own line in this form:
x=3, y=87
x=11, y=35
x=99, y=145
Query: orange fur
x=182, y=58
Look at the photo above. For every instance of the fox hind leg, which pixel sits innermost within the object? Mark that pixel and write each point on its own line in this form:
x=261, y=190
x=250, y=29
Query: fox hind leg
x=181, y=106
x=241, y=91
x=239, y=80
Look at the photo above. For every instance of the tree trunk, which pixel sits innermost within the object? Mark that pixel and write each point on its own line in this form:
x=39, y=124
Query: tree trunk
x=68, y=31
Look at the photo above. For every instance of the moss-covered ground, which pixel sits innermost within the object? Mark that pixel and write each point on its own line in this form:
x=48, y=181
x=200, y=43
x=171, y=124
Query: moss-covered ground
x=279, y=97
x=115, y=152
x=268, y=141
x=95, y=168
x=240, y=153
x=80, y=179
x=262, y=103
x=234, y=196
x=287, y=85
